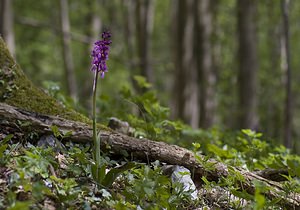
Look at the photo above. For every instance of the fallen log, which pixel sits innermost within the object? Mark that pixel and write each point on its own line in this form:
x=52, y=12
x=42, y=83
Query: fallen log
x=19, y=121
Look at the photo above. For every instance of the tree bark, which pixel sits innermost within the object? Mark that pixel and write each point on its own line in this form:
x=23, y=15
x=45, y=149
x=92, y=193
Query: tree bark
x=144, y=24
x=178, y=14
x=248, y=64
x=207, y=75
x=67, y=51
x=7, y=24
x=21, y=122
x=273, y=76
x=186, y=89
x=96, y=23
x=287, y=69
x=130, y=31
x=94, y=32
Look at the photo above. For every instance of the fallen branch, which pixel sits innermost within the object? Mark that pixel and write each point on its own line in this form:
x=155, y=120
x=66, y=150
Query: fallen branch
x=273, y=174
x=16, y=120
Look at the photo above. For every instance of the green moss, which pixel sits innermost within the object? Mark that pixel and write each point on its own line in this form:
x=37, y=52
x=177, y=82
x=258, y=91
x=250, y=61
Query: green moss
x=17, y=90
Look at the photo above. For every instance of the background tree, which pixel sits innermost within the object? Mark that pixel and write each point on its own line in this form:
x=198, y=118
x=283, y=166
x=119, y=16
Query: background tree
x=144, y=27
x=270, y=109
x=93, y=30
x=7, y=24
x=248, y=64
x=67, y=51
x=186, y=77
x=129, y=37
x=287, y=70
x=207, y=77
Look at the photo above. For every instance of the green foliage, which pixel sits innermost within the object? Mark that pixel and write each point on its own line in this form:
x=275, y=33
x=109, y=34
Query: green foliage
x=110, y=177
x=39, y=173
x=105, y=179
x=3, y=146
x=259, y=198
x=58, y=134
x=144, y=113
x=147, y=188
x=54, y=90
x=66, y=178
x=244, y=149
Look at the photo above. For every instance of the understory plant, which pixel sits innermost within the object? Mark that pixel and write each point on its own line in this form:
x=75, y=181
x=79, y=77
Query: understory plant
x=99, y=54
x=98, y=166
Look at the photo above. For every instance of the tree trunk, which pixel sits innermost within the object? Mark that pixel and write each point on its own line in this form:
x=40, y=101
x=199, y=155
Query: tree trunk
x=178, y=14
x=96, y=21
x=144, y=24
x=7, y=24
x=94, y=32
x=248, y=64
x=186, y=81
x=287, y=70
x=67, y=51
x=272, y=119
x=207, y=75
x=130, y=31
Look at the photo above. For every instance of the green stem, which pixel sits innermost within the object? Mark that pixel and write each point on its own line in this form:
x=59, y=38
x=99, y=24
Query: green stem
x=96, y=141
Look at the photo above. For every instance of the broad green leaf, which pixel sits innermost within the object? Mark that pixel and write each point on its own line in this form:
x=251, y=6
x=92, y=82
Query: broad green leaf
x=242, y=194
x=219, y=152
x=67, y=134
x=142, y=81
x=205, y=180
x=20, y=205
x=115, y=172
x=196, y=145
x=2, y=149
x=259, y=200
x=55, y=130
x=6, y=139
x=102, y=172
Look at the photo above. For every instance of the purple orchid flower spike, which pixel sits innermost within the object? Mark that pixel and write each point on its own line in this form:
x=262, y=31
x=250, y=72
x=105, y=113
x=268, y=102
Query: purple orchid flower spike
x=100, y=54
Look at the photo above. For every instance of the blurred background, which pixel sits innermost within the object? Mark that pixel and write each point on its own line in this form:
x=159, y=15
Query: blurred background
x=226, y=64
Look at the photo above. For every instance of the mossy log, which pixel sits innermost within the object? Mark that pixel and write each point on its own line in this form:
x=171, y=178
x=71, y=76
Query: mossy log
x=17, y=90
x=25, y=108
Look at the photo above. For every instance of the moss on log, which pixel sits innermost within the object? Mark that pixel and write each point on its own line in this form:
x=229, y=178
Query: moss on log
x=17, y=90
